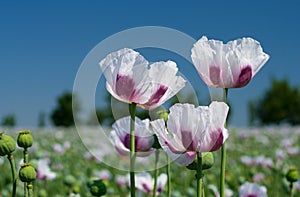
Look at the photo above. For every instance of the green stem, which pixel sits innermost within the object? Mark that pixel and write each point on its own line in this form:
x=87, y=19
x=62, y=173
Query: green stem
x=291, y=189
x=223, y=164
x=169, y=176
x=14, y=173
x=26, y=160
x=30, y=189
x=199, y=175
x=132, y=110
x=155, y=172
x=223, y=155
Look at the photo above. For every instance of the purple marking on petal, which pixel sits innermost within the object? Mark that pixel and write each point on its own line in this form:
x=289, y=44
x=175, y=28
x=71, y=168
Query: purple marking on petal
x=118, y=77
x=217, y=137
x=214, y=75
x=157, y=95
x=252, y=195
x=124, y=86
x=187, y=140
x=244, y=77
x=144, y=143
x=146, y=188
x=127, y=141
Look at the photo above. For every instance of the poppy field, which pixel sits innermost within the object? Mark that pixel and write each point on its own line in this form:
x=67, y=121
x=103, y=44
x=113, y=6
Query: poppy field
x=65, y=166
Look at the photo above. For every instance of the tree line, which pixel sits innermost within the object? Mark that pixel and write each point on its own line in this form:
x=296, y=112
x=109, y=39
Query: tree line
x=280, y=104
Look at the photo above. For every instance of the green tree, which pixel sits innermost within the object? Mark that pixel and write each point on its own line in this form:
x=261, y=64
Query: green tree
x=279, y=104
x=62, y=115
x=9, y=120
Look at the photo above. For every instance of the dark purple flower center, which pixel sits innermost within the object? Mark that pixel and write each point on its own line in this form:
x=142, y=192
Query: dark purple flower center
x=147, y=189
x=217, y=137
x=252, y=195
x=244, y=77
x=127, y=141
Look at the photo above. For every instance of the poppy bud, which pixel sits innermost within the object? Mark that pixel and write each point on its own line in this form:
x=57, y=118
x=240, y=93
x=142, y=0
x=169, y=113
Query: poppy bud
x=24, y=139
x=7, y=144
x=27, y=173
x=97, y=187
x=292, y=174
x=207, y=160
x=163, y=114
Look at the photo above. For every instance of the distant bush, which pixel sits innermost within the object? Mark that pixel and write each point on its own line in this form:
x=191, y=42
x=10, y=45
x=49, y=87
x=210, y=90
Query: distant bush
x=9, y=120
x=62, y=115
x=279, y=104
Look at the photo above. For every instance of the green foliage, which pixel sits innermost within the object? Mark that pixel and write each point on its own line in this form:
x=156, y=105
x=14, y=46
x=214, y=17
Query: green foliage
x=9, y=120
x=62, y=115
x=72, y=163
x=279, y=104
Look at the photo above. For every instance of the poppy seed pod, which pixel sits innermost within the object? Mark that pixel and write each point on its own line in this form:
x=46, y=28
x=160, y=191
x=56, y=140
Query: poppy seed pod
x=24, y=139
x=7, y=144
x=27, y=173
x=207, y=160
x=292, y=174
x=97, y=187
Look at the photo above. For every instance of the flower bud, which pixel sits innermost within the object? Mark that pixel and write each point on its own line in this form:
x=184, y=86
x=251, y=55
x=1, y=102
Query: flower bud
x=207, y=160
x=24, y=139
x=292, y=174
x=27, y=173
x=97, y=187
x=7, y=144
x=163, y=114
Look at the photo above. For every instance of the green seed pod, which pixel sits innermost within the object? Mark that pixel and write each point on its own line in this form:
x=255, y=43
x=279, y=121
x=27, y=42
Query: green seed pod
x=207, y=160
x=7, y=144
x=292, y=174
x=97, y=187
x=27, y=173
x=24, y=139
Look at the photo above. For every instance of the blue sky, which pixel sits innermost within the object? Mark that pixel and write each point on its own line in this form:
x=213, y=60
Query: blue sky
x=42, y=44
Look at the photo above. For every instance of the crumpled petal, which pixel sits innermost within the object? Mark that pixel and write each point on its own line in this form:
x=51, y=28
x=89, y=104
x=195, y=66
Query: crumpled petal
x=130, y=80
x=230, y=65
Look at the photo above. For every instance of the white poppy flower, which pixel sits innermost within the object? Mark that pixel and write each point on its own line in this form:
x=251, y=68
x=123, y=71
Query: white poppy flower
x=120, y=137
x=191, y=130
x=129, y=79
x=230, y=65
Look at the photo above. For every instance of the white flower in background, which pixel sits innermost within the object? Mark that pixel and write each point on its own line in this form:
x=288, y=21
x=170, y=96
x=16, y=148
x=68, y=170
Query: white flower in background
x=120, y=137
x=252, y=190
x=103, y=174
x=215, y=191
x=145, y=183
x=43, y=170
x=121, y=180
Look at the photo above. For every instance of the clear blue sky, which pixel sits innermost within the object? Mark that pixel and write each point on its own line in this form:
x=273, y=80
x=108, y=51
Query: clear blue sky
x=42, y=44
